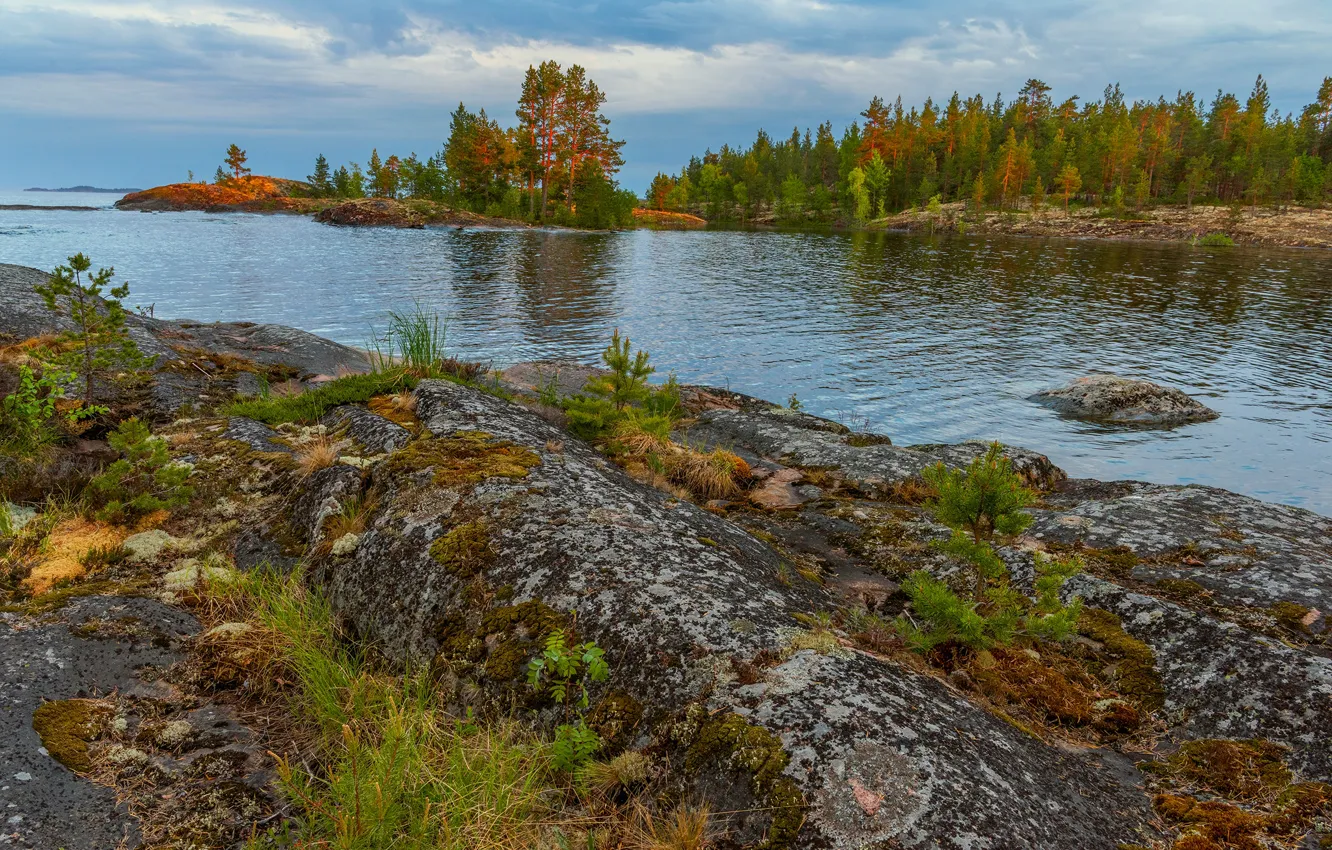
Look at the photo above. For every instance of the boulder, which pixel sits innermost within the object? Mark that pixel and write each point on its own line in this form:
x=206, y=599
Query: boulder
x=372, y=432
x=1125, y=401
x=497, y=527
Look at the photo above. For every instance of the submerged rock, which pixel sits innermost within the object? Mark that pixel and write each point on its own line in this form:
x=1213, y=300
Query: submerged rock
x=1125, y=401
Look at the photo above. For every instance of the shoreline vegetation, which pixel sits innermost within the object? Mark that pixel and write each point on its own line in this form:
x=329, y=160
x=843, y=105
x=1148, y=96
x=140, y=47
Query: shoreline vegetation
x=1228, y=172
x=404, y=600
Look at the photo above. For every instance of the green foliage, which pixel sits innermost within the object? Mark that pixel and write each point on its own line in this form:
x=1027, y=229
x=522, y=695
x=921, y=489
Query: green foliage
x=308, y=407
x=1216, y=240
x=414, y=340
x=563, y=672
x=25, y=414
x=793, y=403
x=946, y=617
x=100, y=342
x=622, y=401
x=1051, y=619
x=144, y=480
x=987, y=497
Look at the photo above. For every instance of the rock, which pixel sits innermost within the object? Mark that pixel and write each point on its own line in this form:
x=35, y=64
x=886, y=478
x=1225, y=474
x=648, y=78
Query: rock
x=145, y=546
x=256, y=435
x=777, y=491
x=1223, y=681
x=1247, y=552
x=872, y=466
x=371, y=431
x=1124, y=401
x=483, y=539
x=323, y=494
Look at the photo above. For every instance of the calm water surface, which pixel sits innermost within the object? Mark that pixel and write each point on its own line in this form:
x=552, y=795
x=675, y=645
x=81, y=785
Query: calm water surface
x=927, y=340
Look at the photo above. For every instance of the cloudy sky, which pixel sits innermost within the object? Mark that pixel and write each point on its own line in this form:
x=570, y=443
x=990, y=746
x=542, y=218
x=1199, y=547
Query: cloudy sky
x=138, y=93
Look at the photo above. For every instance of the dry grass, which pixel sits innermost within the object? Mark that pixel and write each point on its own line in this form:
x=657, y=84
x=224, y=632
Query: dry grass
x=319, y=453
x=683, y=828
x=352, y=518
x=399, y=408
x=713, y=475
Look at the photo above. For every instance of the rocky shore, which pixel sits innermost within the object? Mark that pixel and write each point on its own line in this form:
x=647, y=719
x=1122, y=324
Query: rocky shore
x=753, y=661
x=1298, y=227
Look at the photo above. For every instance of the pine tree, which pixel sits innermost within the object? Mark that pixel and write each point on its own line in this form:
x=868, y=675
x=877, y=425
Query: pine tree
x=320, y=180
x=1069, y=182
x=236, y=161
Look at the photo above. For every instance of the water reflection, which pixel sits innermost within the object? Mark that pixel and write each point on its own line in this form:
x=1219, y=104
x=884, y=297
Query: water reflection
x=929, y=339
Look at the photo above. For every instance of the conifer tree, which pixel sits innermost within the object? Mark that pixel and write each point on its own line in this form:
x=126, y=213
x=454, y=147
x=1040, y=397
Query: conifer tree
x=320, y=180
x=236, y=161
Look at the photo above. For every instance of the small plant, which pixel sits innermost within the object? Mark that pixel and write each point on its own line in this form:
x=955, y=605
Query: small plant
x=414, y=341
x=1216, y=240
x=564, y=672
x=622, y=403
x=793, y=403
x=144, y=480
x=987, y=497
x=100, y=342
x=320, y=453
x=1051, y=619
x=26, y=413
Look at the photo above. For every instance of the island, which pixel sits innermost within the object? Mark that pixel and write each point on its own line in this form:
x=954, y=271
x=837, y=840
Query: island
x=84, y=189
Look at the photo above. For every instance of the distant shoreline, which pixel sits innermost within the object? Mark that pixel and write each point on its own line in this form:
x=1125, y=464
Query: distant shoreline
x=85, y=189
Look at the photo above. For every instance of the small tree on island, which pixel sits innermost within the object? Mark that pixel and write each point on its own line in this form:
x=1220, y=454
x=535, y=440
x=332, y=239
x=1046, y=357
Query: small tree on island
x=321, y=180
x=99, y=341
x=236, y=161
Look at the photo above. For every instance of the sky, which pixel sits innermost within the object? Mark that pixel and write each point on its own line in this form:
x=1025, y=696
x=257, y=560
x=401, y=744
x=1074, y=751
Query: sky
x=140, y=93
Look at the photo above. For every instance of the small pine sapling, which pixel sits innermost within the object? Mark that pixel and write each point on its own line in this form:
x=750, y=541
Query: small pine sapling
x=1050, y=619
x=144, y=480
x=100, y=340
x=564, y=673
x=985, y=498
x=627, y=381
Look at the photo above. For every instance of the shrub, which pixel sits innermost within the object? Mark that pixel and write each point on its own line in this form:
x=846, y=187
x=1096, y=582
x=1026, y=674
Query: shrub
x=1216, y=240
x=99, y=340
x=621, y=402
x=26, y=413
x=564, y=672
x=987, y=497
x=144, y=480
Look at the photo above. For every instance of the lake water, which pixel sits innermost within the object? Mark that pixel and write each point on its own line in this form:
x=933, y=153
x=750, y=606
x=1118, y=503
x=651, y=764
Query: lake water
x=929, y=340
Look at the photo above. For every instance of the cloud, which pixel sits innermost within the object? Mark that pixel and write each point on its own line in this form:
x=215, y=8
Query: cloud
x=296, y=66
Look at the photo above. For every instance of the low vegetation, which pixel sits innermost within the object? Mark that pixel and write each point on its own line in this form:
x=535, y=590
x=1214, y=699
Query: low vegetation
x=145, y=479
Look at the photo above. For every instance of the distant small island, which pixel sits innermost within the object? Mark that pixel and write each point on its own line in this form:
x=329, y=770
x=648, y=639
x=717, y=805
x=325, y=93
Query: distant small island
x=83, y=189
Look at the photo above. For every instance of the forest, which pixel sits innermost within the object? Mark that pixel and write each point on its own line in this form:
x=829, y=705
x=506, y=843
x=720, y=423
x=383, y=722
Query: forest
x=1022, y=153
x=557, y=164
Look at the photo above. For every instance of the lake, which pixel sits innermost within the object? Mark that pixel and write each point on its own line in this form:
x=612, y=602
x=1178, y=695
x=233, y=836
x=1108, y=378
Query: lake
x=928, y=340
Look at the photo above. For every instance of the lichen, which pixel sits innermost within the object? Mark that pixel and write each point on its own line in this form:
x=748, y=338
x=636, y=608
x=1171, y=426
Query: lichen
x=465, y=550
x=1133, y=671
x=465, y=459
x=67, y=726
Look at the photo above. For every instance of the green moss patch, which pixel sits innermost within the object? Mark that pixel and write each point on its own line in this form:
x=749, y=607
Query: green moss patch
x=465, y=551
x=1133, y=667
x=465, y=459
x=66, y=727
x=502, y=641
x=729, y=741
x=614, y=718
x=1252, y=769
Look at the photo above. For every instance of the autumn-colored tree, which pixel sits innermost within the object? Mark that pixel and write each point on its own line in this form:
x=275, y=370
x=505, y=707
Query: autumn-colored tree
x=660, y=187
x=235, y=160
x=1069, y=182
x=480, y=156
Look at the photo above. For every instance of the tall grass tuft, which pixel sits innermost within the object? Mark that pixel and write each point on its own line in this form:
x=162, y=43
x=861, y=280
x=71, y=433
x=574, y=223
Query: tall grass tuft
x=413, y=341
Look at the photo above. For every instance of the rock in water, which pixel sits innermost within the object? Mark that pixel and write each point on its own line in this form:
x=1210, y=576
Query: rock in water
x=1125, y=401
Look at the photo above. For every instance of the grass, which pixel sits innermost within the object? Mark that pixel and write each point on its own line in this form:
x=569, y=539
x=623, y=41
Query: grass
x=307, y=408
x=414, y=341
x=387, y=766
x=1216, y=240
x=319, y=453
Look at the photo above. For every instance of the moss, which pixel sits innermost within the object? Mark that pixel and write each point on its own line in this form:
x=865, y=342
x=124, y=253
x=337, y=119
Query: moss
x=1241, y=770
x=732, y=742
x=465, y=459
x=1290, y=615
x=503, y=639
x=1181, y=588
x=1221, y=824
x=863, y=440
x=1134, y=668
x=66, y=727
x=465, y=551
x=614, y=718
